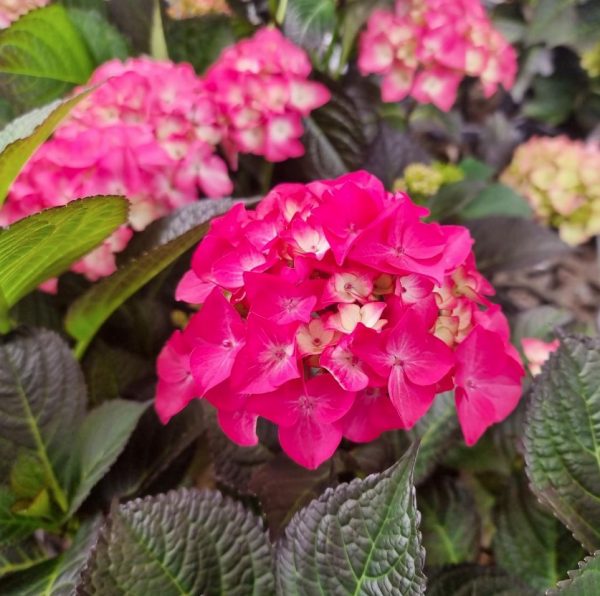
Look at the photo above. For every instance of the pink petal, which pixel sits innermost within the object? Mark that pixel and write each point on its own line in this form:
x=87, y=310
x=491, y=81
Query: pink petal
x=239, y=426
x=410, y=401
x=309, y=443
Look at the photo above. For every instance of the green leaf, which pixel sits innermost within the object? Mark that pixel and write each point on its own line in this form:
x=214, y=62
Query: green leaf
x=307, y=22
x=20, y=557
x=42, y=55
x=58, y=576
x=552, y=22
x=100, y=440
x=151, y=451
x=505, y=243
x=475, y=169
x=435, y=431
x=450, y=523
x=553, y=100
x=453, y=198
x=46, y=244
x=20, y=139
x=530, y=542
x=102, y=39
x=182, y=39
x=27, y=477
x=541, y=322
x=360, y=538
x=13, y=526
x=42, y=402
x=184, y=229
x=186, y=542
x=562, y=435
x=497, y=199
x=584, y=581
x=134, y=20
x=475, y=580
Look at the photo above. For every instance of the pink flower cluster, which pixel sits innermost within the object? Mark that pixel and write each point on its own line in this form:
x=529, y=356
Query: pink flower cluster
x=425, y=48
x=150, y=132
x=11, y=10
x=260, y=86
x=334, y=311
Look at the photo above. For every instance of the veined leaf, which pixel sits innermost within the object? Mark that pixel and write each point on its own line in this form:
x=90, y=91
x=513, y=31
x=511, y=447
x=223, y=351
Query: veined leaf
x=187, y=542
x=46, y=244
x=584, y=581
x=450, y=523
x=562, y=434
x=21, y=556
x=20, y=138
x=307, y=22
x=530, y=542
x=42, y=55
x=100, y=440
x=58, y=576
x=359, y=538
x=180, y=232
x=42, y=398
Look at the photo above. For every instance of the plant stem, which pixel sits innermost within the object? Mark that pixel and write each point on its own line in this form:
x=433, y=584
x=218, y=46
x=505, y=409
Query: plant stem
x=281, y=10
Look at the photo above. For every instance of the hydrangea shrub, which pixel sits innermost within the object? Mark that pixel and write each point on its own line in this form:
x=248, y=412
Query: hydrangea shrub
x=334, y=311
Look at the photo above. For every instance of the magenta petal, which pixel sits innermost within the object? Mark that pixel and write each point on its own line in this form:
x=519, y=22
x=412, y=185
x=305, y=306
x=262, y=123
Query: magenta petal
x=192, y=289
x=411, y=401
x=211, y=364
x=171, y=398
x=345, y=368
x=239, y=426
x=309, y=443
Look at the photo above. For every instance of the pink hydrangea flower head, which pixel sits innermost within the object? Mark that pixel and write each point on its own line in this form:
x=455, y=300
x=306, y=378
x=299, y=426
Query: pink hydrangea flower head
x=11, y=10
x=560, y=178
x=148, y=132
x=424, y=48
x=262, y=89
x=537, y=352
x=333, y=310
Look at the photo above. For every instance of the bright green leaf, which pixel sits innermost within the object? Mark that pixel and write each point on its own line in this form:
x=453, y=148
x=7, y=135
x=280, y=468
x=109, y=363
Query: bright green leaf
x=42, y=402
x=58, y=576
x=529, y=542
x=562, y=435
x=359, y=538
x=100, y=440
x=13, y=526
x=46, y=244
x=584, y=581
x=20, y=139
x=186, y=542
x=42, y=55
x=450, y=523
x=102, y=39
x=183, y=229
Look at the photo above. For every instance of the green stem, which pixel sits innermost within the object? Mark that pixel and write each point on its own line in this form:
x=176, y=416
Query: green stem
x=281, y=10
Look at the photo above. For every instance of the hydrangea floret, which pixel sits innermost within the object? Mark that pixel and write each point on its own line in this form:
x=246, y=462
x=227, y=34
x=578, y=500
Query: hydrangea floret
x=424, y=48
x=560, y=178
x=11, y=10
x=537, y=352
x=422, y=181
x=333, y=310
